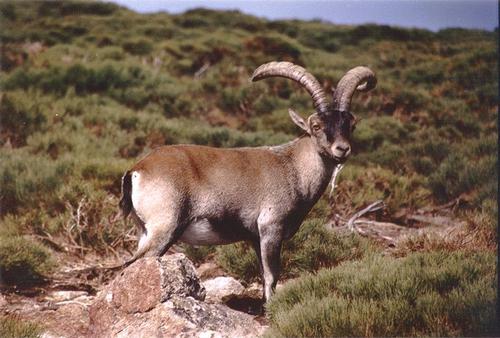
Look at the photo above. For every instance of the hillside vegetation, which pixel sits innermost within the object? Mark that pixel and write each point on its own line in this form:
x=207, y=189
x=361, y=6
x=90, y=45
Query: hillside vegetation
x=87, y=88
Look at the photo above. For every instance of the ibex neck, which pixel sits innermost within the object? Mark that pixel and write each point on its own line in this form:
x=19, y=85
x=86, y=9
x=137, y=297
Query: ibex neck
x=313, y=171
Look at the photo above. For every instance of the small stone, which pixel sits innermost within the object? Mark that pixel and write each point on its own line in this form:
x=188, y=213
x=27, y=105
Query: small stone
x=109, y=297
x=209, y=334
x=209, y=270
x=254, y=290
x=3, y=301
x=61, y=296
x=221, y=289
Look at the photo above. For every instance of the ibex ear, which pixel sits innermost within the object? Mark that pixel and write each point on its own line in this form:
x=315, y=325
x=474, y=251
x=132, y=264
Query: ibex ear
x=354, y=121
x=299, y=121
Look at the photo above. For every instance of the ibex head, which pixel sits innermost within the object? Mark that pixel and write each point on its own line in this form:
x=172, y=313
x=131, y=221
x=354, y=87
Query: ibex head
x=331, y=125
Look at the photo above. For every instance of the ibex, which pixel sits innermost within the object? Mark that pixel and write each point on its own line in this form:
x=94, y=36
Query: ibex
x=203, y=196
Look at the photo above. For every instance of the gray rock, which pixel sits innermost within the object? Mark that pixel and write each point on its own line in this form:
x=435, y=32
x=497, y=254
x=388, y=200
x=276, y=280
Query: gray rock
x=3, y=301
x=209, y=270
x=221, y=289
x=162, y=297
x=61, y=296
x=254, y=290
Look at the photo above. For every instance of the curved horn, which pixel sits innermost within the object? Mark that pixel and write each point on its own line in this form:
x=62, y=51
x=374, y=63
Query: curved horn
x=298, y=74
x=360, y=78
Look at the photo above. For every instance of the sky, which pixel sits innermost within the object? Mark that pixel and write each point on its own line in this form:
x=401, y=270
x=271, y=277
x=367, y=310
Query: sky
x=429, y=14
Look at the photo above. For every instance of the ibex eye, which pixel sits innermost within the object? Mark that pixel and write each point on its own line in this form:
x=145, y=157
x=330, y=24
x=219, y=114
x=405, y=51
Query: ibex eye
x=316, y=127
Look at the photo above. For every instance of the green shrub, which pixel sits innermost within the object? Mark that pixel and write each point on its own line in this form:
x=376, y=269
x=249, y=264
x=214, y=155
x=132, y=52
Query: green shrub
x=14, y=327
x=207, y=18
x=225, y=137
x=82, y=78
x=279, y=47
x=24, y=179
x=284, y=27
x=373, y=132
x=384, y=32
x=22, y=261
x=198, y=254
x=90, y=220
x=8, y=11
x=457, y=175
x=367, y=138
x=314, y=247
x=19, y=117
x=311, y=248
x=358, y=186
x=429, y=73
x=76, y=8
x=138, y=47
x=436, y=294
x=111, y=52
x=238, y=259
x=316, y=37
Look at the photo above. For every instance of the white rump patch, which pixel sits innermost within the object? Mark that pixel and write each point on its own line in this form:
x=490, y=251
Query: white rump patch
x=136, y=193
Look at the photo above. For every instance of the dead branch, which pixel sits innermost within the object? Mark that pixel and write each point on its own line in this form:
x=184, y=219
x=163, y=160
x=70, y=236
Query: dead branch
x=202, y=70
x=377, y=205
x=435, y=220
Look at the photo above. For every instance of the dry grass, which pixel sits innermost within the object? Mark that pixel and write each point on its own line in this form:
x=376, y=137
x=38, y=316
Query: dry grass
x=476, y=234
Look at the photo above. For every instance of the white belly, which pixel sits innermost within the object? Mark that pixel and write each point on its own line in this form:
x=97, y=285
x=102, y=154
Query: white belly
x=202, y=233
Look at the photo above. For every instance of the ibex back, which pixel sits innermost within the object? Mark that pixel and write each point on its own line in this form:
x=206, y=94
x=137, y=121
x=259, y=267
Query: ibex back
x=204, y=196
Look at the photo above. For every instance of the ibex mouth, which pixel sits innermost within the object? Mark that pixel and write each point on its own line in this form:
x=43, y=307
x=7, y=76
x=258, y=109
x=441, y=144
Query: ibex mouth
x=341, y=159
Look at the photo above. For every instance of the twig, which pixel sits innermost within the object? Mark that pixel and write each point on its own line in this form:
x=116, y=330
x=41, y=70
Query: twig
x=48, y=238
x=434, y=220
x=336, y=171
x=65, y=302
x=78, y=218
x=453, y=204
x=202, y=70
x=377, y=205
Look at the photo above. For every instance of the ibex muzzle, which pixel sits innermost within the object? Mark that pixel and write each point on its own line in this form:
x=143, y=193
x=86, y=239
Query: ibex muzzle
x=204, y=196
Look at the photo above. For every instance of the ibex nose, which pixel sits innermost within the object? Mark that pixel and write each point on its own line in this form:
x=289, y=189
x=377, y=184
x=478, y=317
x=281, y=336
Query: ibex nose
x=341, y=150
x=344, y=148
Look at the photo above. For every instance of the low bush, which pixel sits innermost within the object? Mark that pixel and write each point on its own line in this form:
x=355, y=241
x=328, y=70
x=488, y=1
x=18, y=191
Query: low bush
x=90, y=220
x=318, y=37
x=280, y=47
x=19, y=117
x=24, y=179
x=82, y=78
x=14, y=327
x=384, y=32
x=198, y=254
x=239, y=260
x=358, y=186
x=435, y=294
x=277, y=121
x=76, y=7
x=138, y=47
x=311, y=248
x=456, y=175
x=23, y=262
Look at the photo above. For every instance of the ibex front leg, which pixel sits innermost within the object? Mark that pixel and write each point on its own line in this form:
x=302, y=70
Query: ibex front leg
x=270, y=250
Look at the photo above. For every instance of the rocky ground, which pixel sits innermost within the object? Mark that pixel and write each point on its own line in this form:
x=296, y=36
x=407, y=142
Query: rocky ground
x=157, y=297
x=168, y=296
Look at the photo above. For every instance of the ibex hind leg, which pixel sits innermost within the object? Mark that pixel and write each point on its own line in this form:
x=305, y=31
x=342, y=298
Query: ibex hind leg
x=156, y=240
